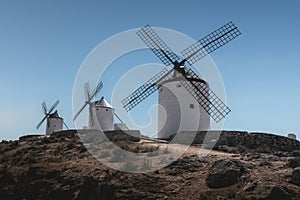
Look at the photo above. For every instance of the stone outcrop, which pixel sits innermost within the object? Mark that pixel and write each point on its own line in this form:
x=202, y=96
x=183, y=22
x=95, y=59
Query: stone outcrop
x=224, y=173
x=294, y=162
x=296, y=176
x=279, y=192
x=237, y=141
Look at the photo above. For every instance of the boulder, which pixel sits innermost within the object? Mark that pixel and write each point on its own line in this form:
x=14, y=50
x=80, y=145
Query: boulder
x=296, y=153
x=294, y=162
x=249, y=187
x=280, y=193
x=224, y=172
x=296, y=176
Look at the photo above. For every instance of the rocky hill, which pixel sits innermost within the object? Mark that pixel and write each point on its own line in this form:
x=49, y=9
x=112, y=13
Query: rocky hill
x=254, y=166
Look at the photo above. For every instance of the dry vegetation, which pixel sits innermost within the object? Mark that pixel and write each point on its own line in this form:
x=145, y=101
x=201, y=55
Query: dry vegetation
x=61, y=167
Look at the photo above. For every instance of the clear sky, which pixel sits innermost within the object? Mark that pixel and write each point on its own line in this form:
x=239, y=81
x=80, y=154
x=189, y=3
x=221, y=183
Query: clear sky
x=43, y=43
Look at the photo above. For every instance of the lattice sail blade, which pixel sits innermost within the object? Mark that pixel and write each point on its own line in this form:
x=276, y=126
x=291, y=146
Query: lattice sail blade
x=41, y=122
x=146, y=89
x=157, y=45
x=44, y=107
x=87, y=90
x=53, y=106
x=210, y=102
x=79, y=111
x=66, y=125
x=96, y=90
x=210, y=43
x=119, y=118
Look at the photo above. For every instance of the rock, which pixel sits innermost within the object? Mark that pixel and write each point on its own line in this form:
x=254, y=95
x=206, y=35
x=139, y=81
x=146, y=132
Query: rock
x=224, y=172
x=187, y=163
x=296, y=176
x=294, y=162
x=264, y=163
x=296, y=153
x=281, y=154
x=228, y=149
x=250, y=187
x=280, y=193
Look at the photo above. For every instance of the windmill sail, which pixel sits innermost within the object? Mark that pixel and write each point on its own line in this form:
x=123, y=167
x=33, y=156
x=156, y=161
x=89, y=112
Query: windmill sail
x=211, y=42
x=47, y=113
x=211, y=103
x=89, y=96
x=193, y=84
x=146, y=89
x=157, y=45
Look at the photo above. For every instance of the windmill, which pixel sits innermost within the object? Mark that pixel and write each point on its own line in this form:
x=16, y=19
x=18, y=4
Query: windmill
x=101, y=113
x=54, y=121
x=89, y=97
x=195, y=90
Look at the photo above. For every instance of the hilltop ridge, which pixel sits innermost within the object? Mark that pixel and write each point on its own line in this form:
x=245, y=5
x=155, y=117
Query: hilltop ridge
x=61, y=167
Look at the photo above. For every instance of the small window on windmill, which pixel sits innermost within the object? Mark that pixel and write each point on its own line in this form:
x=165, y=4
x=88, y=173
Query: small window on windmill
x=191, y=106
x=178, y=85
x=97, y=108
x=106, y=109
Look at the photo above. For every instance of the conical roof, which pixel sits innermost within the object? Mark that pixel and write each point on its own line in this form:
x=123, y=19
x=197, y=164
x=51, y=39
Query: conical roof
x=102, y=102
x=54, y=115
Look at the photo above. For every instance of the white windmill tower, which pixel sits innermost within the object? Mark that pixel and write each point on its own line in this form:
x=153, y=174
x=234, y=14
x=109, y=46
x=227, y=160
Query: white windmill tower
x=177, y=102
x=186, y=101
x=54, y=121
x=104, y=113
x=101, y=113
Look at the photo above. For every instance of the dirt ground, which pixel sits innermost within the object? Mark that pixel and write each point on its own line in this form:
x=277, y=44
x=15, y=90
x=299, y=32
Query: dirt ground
x=61, y=167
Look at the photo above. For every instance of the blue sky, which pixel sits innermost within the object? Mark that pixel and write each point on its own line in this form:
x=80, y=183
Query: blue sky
x=43, y=43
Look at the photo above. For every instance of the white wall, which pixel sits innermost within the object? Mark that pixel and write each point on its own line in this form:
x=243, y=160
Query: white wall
x=105, y=118
x=54, y=125
x=175, y=113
